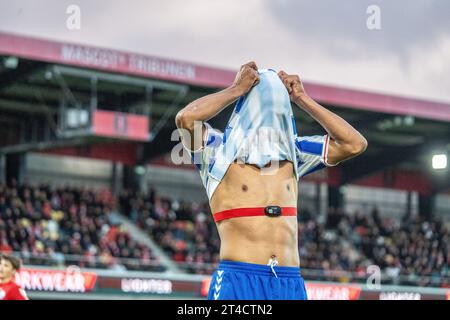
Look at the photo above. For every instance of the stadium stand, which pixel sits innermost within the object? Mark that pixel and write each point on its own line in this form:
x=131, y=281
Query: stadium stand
x=63, y=226
x=412, y=251
x=101, y=121
x=73, y=226
x=185, y=230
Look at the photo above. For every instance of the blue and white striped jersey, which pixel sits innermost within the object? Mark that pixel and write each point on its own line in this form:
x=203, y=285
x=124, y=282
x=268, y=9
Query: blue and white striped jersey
x=261, y=129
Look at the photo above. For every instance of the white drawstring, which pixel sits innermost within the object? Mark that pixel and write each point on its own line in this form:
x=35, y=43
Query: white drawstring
x=272, y=263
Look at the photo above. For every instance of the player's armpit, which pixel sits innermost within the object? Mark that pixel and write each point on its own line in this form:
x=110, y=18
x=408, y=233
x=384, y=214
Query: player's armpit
x=193, y=140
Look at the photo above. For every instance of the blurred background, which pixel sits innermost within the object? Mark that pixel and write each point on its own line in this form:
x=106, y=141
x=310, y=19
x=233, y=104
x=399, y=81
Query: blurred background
x=94, y=204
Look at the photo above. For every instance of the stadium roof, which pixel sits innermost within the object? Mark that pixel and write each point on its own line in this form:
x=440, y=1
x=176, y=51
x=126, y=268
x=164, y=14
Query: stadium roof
x=36, y=73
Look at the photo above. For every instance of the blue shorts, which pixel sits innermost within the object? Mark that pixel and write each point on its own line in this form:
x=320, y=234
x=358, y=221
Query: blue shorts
x=247, y=281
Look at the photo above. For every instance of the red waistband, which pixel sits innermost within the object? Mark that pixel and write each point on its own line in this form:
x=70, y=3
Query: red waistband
x=250, y=212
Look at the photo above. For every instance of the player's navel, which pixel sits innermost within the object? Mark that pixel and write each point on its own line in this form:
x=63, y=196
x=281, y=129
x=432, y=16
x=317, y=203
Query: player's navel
x=244, y=188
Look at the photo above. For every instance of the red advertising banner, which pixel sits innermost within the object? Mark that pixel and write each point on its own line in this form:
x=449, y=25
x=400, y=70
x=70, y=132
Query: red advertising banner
x=69, y=280
x=153, y=286
x=315, y=291
x=205, y=286
x=120, y=125
x=74, y=280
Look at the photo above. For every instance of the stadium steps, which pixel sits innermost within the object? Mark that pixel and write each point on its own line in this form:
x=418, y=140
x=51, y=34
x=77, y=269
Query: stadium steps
x=140, y=236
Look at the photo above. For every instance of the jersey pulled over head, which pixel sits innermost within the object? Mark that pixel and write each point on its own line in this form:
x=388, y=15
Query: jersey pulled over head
x=266, y=122
x=261, y=130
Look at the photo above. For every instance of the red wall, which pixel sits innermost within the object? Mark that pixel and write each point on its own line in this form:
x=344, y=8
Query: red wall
x=398, y=179
x=124, y=152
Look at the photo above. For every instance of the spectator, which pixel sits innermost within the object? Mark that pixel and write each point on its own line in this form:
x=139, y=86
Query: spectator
x=48, y=226
x=411, y=247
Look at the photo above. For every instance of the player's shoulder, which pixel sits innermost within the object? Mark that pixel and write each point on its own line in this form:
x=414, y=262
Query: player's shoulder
x=13, y=286
x=23, y=293
x=18, y=292
x=7, y=285
x=16, y=285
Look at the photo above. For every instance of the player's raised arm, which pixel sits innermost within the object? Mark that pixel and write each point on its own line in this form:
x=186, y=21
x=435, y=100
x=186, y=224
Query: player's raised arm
x=204, y=108
x=345, y=141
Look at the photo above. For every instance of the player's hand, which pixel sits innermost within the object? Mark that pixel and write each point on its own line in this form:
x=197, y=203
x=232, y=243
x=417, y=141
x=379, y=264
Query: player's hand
x=293, y=85
x=247, y=77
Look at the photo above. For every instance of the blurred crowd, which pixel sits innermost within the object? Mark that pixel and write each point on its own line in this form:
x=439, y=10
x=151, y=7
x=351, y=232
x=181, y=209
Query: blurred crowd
x=64, y=226
x=410, y=250
x=184, y=230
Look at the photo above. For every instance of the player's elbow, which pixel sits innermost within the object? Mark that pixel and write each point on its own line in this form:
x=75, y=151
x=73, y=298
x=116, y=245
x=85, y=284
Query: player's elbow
x=357, y=147
x=363, y=144
x=184, y=121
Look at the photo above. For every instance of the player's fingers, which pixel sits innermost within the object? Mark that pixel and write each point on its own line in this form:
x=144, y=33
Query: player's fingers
x=288, y=85
x=282, y=74
x=252, y=64
x=287, y=82
x=293, y=80
x=256, y=80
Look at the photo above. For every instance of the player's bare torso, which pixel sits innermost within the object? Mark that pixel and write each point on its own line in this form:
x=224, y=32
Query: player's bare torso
x=257, y=239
